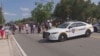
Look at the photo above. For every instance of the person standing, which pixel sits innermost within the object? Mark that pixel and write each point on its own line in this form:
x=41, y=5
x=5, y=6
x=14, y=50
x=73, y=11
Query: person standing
x=46, y=24
x=31, y=28
x=38, y=28
x=1, y=32
x=34, y=27
x=50, y=25
x=20, y=27
x=7, y=28
x=27, y=28
x=13, y=28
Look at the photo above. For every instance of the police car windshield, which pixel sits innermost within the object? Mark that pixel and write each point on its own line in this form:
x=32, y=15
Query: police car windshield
x=64, y=25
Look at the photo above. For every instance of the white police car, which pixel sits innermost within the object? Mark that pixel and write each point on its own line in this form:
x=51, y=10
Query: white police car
x=68, y=30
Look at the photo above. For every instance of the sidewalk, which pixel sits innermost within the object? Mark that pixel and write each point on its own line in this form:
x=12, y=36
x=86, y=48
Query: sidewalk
x=4, y=48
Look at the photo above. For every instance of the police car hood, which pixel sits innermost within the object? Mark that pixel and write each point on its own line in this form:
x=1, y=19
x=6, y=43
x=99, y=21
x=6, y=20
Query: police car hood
x=57, y=30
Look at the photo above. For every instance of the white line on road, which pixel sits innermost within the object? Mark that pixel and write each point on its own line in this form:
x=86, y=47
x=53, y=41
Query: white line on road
x=19, y=46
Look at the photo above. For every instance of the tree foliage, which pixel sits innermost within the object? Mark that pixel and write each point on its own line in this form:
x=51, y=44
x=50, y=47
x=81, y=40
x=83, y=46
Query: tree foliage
x=24, y=20
x=73, y=9
x=77, y=10
x=2, y=20
x=98, y=11
x=42, y=12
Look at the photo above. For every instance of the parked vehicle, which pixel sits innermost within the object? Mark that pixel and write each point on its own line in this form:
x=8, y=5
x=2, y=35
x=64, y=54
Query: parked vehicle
x=96, y=27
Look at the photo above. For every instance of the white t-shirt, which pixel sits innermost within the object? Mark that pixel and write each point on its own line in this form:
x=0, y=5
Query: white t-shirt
x=34, y=26
x=26, y=25
x=50, y=24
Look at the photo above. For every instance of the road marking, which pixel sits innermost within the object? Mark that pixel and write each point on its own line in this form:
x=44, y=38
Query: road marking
x=23, y=52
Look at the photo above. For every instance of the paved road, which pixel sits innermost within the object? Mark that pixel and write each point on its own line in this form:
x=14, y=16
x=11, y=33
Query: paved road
x=34, y=45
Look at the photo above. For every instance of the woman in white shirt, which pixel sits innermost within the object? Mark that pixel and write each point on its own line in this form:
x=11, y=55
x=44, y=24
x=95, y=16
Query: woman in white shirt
x=27, y=28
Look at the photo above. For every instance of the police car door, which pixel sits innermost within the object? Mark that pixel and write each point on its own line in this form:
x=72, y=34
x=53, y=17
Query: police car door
x=80, y=29
x=72, y=28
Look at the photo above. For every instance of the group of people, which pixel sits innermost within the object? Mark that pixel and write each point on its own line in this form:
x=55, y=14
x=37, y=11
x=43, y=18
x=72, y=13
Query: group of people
x=34, y=27
x=27, y=27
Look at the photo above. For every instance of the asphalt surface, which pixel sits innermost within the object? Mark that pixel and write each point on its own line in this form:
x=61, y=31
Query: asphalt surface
x=34, y=45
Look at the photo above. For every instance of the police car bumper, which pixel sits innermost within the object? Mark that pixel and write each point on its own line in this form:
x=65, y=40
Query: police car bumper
x=49, y=36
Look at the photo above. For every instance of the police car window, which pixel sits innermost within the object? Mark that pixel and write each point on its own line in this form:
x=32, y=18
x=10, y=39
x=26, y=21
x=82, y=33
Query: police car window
x=64, y=25
x=80, y=24
x=73, y=25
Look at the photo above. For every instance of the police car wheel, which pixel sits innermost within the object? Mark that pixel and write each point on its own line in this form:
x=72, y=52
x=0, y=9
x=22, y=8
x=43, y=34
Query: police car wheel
x=88, y=33
x=62, y=37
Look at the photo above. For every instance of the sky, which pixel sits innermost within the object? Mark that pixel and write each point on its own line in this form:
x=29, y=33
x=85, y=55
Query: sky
x=19, y=9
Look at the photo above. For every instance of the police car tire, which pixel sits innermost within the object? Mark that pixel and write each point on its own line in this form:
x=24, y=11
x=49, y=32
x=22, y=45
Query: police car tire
x=62, y=37
x=88, y=33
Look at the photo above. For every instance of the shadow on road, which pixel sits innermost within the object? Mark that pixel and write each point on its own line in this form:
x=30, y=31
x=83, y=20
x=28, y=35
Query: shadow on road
x=97, y=32
x=46, y=41
x=75, y=38
x=49, y=41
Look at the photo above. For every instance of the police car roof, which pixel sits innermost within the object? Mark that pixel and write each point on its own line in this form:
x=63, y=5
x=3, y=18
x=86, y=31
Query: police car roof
x=74, y=22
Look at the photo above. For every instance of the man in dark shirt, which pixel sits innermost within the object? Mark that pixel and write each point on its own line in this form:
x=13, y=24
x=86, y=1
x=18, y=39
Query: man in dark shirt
x=31, y=28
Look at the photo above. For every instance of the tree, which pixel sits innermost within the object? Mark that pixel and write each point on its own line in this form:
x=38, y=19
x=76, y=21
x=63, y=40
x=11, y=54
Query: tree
x=42, y=12
x=76, y=9
x=63, y=9
x=98, y=11
x=17, y=21
x=2, y=20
